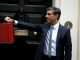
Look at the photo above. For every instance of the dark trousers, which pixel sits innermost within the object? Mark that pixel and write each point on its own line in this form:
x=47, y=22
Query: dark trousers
x=45, y=57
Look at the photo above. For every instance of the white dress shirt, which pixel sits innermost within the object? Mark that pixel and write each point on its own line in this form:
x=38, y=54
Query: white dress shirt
x=54, y=37
x=15, y=22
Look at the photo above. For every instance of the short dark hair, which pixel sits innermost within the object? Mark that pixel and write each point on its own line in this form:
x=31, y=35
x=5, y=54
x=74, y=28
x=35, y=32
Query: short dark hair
x=56, y=11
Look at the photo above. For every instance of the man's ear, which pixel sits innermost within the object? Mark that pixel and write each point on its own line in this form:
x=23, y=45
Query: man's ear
x=57, y=15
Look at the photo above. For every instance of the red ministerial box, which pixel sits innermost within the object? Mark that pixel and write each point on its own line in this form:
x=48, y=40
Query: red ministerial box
x=6, y=33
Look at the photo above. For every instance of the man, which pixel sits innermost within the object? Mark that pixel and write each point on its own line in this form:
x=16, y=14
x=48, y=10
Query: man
x=55, y=43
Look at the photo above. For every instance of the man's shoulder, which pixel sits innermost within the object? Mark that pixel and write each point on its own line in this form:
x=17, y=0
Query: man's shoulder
x=64, y=27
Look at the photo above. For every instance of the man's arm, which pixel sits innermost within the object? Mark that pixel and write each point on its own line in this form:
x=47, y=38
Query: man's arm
x=28, y=26
x=68, y=45
x=24, y=25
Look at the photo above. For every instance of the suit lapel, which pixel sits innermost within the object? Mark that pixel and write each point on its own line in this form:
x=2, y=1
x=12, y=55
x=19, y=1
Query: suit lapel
x=58, y=34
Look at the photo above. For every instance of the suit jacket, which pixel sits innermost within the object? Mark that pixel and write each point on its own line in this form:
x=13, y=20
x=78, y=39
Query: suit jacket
x=63, y=42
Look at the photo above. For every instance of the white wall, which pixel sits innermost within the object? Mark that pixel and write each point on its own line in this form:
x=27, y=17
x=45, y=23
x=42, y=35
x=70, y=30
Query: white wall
x=79, y=31
x=70, y=13
x=69, y=10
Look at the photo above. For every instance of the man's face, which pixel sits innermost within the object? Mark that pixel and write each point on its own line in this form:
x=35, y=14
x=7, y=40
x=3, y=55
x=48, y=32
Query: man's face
x=51, y=18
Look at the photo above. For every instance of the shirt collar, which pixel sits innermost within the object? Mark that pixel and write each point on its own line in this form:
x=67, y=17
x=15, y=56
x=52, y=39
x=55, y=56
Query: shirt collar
x=56, y=26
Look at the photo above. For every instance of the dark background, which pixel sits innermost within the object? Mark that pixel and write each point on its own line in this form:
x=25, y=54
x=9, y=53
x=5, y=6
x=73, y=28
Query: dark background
x=31, y=11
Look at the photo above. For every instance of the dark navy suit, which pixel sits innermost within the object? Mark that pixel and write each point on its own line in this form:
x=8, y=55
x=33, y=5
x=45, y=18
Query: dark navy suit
x=63, y=42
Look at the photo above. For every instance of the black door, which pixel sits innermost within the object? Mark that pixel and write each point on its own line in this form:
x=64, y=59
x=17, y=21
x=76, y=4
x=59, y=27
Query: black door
x=31, y=11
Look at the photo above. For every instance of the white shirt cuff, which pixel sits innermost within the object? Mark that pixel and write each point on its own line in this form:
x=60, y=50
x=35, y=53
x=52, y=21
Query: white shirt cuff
x=15, y=22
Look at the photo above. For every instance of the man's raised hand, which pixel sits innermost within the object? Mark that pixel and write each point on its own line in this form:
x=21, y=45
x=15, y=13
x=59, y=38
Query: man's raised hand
x=8, y=19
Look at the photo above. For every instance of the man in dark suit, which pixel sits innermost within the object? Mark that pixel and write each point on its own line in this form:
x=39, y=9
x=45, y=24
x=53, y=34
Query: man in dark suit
x=55, y=43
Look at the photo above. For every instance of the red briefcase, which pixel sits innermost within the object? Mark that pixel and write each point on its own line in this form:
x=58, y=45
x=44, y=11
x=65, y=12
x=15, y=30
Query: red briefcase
x=6, y=33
